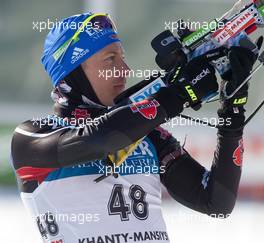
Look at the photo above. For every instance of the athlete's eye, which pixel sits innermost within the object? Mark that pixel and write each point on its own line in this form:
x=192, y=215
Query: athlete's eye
x=109, y=58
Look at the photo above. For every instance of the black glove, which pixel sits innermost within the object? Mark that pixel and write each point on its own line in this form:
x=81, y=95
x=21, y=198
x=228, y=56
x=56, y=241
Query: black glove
x=191, y=84
x=241, y=60
x=197, y=81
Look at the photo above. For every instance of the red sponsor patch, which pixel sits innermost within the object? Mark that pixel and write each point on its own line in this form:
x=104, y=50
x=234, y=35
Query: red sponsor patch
x=80, y=113
x=147, y=108
x=238, y=154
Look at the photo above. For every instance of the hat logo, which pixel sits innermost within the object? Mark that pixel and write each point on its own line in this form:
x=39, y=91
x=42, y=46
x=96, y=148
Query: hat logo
x=77, y=54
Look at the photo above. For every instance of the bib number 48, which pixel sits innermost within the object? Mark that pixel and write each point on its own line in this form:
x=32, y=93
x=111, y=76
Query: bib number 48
x=138, y=206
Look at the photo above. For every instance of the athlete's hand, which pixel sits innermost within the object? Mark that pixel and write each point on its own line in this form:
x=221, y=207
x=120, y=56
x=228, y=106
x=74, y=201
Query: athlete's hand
x=196, y=82
x=189, y=84
x=241, y=60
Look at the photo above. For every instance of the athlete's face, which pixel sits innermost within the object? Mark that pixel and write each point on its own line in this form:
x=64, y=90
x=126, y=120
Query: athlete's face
x=106, y=72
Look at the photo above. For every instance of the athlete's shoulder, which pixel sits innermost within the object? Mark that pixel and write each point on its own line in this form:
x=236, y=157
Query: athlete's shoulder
x=35, y=141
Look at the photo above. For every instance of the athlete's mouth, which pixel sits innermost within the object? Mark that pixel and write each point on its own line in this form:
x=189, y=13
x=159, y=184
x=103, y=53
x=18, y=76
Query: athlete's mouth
x=120, y=84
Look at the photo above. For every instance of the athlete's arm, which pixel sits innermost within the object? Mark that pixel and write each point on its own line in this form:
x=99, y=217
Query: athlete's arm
x=211, y=192
x=66, y=146
x=214, y=192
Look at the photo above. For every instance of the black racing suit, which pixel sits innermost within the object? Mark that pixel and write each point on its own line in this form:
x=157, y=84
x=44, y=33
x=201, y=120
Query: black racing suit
x=56, y=146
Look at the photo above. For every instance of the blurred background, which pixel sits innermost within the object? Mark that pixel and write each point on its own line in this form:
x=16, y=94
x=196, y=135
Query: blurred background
x=25, y=94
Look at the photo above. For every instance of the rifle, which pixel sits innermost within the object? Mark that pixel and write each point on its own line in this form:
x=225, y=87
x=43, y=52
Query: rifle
x=174, y=51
